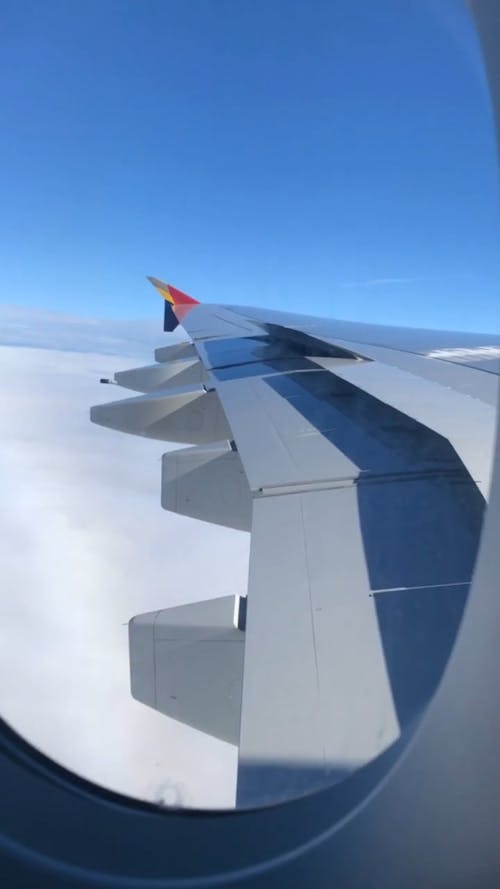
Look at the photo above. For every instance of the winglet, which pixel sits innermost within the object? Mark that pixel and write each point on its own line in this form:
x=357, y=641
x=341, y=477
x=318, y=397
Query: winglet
x=171, y=294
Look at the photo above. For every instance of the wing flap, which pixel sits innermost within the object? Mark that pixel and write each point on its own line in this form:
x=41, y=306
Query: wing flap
x=152, y=377
x=189, y=415
x=187, y=662
x=208, y=483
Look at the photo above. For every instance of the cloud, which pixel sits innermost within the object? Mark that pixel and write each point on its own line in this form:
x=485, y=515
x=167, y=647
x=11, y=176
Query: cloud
x=86, y=546
x=40, y=328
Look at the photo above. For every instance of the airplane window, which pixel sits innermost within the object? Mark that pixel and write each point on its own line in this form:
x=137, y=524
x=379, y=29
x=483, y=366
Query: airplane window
x=243, y=581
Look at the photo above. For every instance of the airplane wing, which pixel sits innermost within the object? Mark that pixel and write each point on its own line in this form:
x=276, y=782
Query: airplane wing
x=359, y=457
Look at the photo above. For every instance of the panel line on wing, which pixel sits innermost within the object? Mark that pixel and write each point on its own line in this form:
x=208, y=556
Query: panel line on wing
x=425, y=586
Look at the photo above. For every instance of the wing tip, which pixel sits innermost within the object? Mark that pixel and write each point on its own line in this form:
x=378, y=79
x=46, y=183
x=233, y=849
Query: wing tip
x=171, y=294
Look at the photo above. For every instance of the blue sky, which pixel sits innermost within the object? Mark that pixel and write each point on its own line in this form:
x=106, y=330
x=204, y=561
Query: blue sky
x=335, y=158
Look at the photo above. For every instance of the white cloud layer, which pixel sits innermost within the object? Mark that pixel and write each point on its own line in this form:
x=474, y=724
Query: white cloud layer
x=26, y=326
x=85, y=546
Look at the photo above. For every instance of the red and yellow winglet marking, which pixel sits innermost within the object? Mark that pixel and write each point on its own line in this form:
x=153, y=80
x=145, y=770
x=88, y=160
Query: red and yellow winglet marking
x=172, y=295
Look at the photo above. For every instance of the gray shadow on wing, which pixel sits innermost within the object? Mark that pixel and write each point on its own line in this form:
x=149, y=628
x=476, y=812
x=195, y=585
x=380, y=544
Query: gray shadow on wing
x=420, y=515
x=271, y=783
